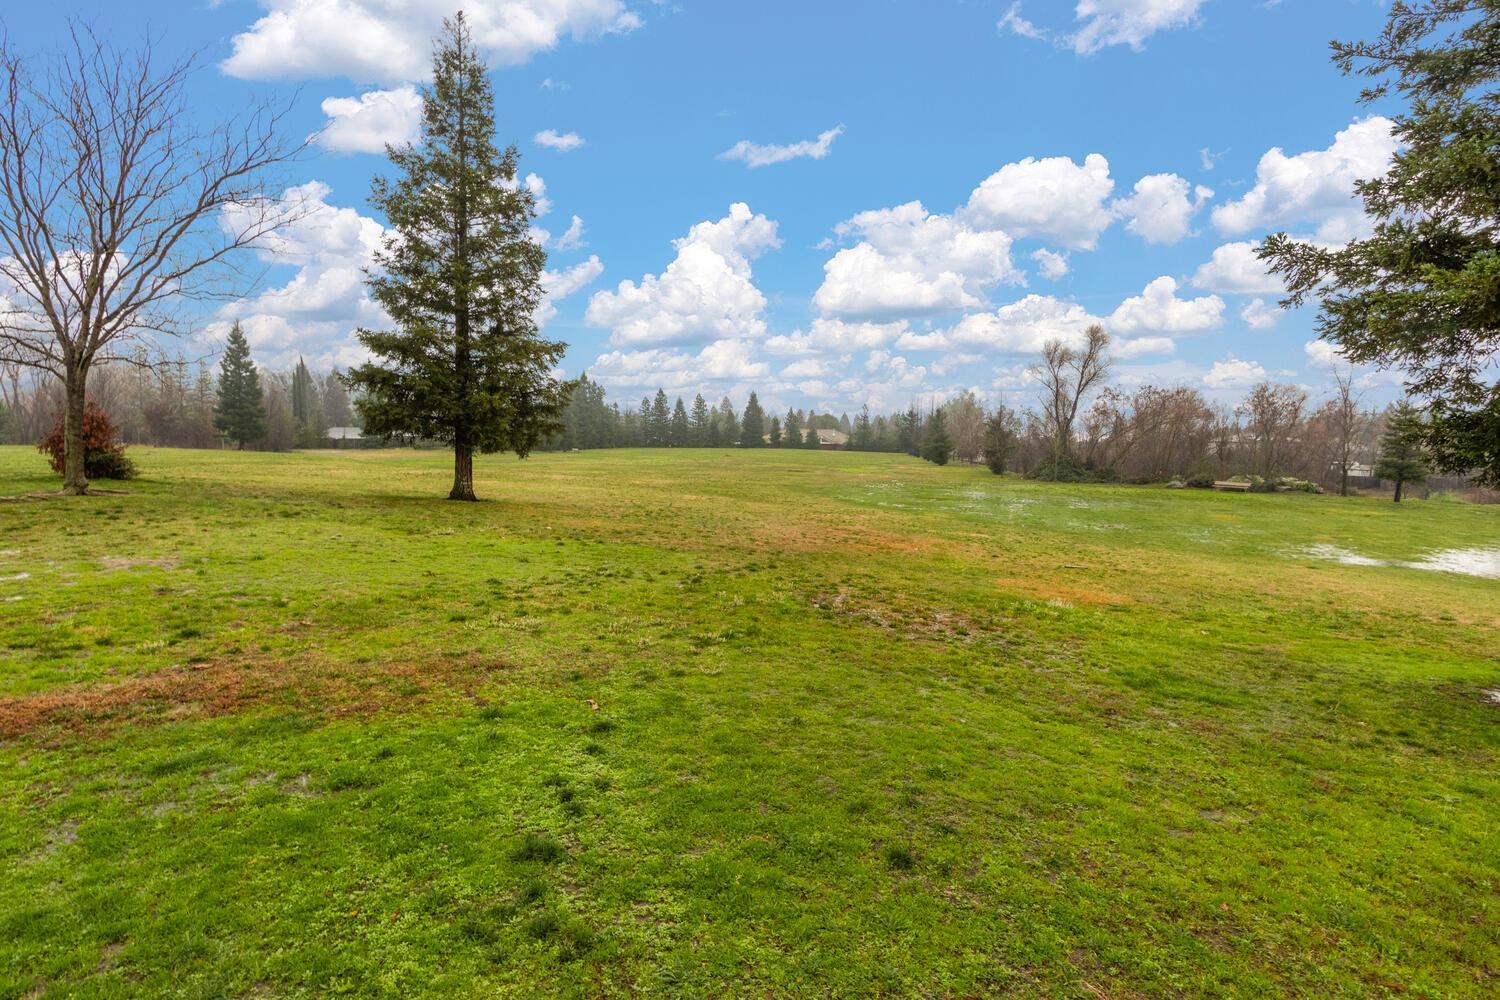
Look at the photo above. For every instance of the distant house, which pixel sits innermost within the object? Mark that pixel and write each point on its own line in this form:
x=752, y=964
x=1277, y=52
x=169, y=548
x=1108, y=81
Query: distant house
x=829, y=440
x=345, y=434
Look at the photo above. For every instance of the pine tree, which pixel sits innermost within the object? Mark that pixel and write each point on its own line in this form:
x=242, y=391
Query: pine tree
x=700, y=421
x=460, y=276
x=715, y=435
x=729, y=424
x=336, y=410
x=753, y=425
x=1000, y=440
x=240, y=414
x=936, y=444
x=307, y=408
x=810, y=439
x=792, y=429
x=681, y=433
x=1402, y=458
x=906, y=431
x=863, y=436
x=659, y=421
x=1418, y=294
x=775, y=434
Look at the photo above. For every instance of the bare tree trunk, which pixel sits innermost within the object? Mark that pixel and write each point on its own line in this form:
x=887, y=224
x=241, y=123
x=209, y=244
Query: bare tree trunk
x=463, y=471
x=1344, y=478
x=75, y=481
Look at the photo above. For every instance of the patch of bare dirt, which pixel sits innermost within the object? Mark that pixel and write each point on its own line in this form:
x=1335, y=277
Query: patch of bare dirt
x=131, y=562
x=225, y=688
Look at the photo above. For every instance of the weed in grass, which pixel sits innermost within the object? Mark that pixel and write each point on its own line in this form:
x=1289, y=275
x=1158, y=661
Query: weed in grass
x=899, y=858
x=537, y=847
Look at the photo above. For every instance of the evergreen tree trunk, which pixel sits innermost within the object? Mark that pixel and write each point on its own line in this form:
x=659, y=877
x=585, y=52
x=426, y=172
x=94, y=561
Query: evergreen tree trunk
x=1398, y=491
x=75, y=480
x=463, y=471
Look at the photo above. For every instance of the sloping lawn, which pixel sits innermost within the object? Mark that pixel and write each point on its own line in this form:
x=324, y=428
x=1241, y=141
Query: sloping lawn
x=732, y=723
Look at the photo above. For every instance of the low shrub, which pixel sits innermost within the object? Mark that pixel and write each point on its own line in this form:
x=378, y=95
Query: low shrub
x=1070, y=470
x=103, y=455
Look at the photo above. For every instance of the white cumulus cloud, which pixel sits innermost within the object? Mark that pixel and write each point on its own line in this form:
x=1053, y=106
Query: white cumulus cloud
x=730, y=360
x=1053, y=265
x=317, y=310
x=1259, y=314
x=835, y=336
x=388, y=41
x=1021, y=327
x=558, y=285
x=1159, y=310
x=1161, y=208
x=1314, y=188
x=1235, y=268
x=1233, y=373
x=705, y=293
x=1053, y=199
x=910, y=262
x=367, y=123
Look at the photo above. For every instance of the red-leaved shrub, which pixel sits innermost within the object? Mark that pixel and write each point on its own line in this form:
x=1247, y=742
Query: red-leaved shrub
x=103, y=455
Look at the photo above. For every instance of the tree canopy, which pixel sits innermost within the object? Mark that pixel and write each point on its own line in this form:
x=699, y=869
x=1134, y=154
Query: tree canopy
x=1422, y=292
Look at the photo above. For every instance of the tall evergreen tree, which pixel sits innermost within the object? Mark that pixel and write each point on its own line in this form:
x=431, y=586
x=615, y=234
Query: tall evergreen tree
x=700, y=421
x=681, y=433
x=307, y=408
x=775, y=432
x=937, y=446
x=302, y=392
x=1402, y=458
x=753, y=425
x=714, y=437
x=792, y=429
x=729, y=424
x=241, y=413
x=810, y=439
x=1420, y=293
x=909, y=433
x=1000, y=439
x=460, y=277
x=659, y=421
x=336, y=409
x=863, y=436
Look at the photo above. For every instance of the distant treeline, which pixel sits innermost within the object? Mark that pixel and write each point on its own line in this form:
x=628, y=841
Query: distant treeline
x=1150, y=434
x=173, y=404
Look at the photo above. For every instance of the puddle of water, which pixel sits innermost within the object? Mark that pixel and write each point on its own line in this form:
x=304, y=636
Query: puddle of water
x=1469, y=562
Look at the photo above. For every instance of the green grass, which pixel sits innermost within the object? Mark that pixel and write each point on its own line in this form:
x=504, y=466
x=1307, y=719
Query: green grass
x=293, y=726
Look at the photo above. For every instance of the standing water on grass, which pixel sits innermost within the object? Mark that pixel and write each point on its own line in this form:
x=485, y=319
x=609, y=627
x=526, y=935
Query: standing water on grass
x=1469, y=562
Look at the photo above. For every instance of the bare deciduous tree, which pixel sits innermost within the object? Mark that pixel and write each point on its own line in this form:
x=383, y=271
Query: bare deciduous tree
x=116, y=207
x=1349, y=423
x=1273, y=419
x=966, y=425
x=1067, y=375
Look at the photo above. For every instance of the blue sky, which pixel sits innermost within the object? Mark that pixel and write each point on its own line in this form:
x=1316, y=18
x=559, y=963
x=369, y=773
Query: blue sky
x=949, y=183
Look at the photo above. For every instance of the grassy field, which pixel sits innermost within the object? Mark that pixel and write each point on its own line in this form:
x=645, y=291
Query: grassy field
x=726, y=724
